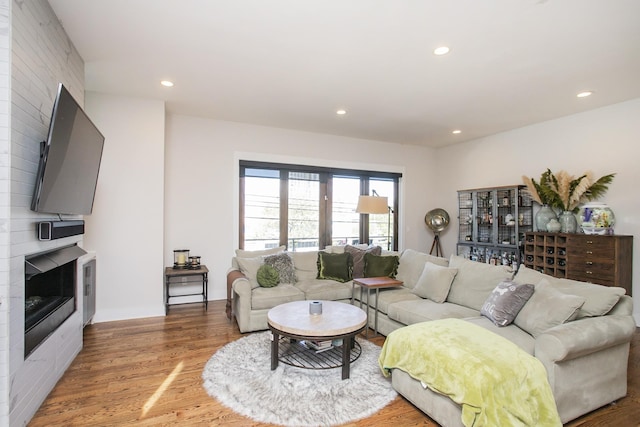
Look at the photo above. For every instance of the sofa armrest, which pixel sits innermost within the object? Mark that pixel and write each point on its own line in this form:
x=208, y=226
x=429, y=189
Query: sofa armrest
x=585, y=336
x=234, y=276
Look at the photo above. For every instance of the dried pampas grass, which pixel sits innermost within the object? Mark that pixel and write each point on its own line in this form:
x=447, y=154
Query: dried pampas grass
x=564, y=191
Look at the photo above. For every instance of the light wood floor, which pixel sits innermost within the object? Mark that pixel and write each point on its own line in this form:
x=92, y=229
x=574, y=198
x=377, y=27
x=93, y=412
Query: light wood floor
x=147, y=372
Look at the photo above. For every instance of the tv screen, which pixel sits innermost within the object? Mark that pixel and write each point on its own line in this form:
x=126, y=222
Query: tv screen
x=69, y=160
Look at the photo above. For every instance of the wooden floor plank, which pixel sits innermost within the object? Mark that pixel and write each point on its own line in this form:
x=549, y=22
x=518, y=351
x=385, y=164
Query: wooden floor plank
x=122, y=365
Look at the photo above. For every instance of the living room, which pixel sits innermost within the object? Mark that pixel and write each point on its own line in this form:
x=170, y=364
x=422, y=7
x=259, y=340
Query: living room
x=170, y=180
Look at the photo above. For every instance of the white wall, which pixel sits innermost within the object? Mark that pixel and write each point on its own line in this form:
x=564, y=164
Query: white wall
x=201, y=205
x=126, y=226
x=603, y=141
x=5, y=203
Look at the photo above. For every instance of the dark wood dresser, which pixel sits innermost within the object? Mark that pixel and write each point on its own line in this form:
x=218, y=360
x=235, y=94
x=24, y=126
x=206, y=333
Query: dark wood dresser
x=605, y=260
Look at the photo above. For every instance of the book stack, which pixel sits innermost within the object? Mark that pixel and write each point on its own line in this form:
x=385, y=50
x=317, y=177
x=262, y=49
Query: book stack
x=319, y=346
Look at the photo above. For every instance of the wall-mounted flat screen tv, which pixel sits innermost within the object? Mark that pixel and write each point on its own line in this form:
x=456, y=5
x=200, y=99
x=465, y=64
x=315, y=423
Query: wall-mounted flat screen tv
x=69, y=160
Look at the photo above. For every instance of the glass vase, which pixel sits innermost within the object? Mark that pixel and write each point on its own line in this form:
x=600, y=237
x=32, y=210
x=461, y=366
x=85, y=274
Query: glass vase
x=568, y=222
x=543, y=216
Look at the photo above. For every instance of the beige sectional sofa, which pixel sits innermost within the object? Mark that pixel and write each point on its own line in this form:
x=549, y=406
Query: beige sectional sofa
x=580, y=332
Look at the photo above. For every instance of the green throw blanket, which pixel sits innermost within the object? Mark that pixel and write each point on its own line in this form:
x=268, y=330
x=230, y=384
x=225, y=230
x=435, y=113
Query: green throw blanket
x=495, y=381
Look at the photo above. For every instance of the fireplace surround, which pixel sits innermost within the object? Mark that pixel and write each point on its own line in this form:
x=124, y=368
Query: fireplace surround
x=50, y=293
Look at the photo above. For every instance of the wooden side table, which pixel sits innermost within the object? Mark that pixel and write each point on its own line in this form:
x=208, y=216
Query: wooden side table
x=196, y=275
x=376, y=283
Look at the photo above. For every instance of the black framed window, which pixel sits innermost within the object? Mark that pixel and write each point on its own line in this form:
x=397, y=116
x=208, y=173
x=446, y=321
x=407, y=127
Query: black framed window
x=309, y=207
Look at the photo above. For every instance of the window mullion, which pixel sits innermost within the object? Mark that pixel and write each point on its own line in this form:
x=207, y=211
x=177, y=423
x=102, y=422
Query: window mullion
x=284, y=207
x=396, y=203
x=364, y=218
x=326, y=206
x=242, y=211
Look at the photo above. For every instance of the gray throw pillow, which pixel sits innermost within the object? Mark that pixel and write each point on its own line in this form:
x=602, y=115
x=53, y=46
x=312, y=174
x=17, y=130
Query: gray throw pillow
x=283, y=265
x=505, y=302
x=357, y=254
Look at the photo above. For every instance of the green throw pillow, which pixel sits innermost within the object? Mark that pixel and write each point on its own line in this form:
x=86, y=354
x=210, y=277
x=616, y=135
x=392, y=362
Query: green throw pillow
x=338, y=267
x=268, y=277
x=380, y=266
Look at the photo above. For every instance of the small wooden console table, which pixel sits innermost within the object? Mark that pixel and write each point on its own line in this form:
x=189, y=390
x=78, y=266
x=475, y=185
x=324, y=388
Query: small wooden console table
x=195, y=275
x=376, y=283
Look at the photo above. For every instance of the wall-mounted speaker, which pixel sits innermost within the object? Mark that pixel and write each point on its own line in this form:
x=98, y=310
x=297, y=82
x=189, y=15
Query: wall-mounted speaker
x=51, y=230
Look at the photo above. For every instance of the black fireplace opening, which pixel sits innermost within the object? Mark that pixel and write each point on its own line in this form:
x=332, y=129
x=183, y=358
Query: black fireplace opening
x=50, y=293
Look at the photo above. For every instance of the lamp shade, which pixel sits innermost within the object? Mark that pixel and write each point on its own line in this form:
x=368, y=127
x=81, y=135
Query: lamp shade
x=372, y=205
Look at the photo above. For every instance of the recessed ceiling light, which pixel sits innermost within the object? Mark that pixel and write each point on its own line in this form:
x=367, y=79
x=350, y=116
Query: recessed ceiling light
x=457, y=131
x=442, y=50
x=341, y=112
x=166, y=83
x=584, y=94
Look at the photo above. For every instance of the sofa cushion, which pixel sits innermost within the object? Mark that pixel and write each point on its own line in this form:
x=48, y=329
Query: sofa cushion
x=409, y=312
x=357, y=253
x=267, y=276
x=511, y=332
x=380, y=266
x=241, y=253
x=306, y=264
x=265, y=298
x=249, y=267
x=505, y=302
x=474, y=281
x=316, y=289
x=412, y=263
x=547, y=308
x=338, y=267
x=339, y=249
x=284, y=266
x=434, y=282
x=599, y=300
x=385, y=297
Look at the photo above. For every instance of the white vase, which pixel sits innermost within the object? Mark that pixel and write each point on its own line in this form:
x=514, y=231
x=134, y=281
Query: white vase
x=597, y=218
x=553, y=226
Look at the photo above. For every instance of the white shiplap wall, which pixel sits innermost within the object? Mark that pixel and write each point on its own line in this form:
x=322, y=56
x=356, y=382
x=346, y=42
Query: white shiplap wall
x=39, y=55
x=4, y=208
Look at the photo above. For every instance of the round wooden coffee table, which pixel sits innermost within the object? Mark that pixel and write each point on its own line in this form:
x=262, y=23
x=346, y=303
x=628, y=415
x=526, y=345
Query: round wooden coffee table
x=338, y=323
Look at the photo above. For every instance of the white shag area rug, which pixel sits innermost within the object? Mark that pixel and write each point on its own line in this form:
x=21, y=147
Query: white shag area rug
x=239, y=375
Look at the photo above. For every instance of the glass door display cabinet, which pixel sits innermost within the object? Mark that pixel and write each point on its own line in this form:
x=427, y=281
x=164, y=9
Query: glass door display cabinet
x=492, y=224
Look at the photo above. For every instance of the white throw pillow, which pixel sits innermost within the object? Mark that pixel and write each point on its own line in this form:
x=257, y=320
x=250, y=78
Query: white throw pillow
x=249, y=267
x=434, y=282
x=547, y=308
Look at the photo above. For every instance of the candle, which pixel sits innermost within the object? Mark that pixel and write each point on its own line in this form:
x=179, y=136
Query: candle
x=181, y=259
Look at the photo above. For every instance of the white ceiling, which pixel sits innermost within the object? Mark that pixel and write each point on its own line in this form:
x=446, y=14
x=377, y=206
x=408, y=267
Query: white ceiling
x=293, y=63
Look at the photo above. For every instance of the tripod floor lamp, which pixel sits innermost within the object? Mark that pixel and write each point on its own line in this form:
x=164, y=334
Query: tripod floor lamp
x=376, y=205
x=437, y=220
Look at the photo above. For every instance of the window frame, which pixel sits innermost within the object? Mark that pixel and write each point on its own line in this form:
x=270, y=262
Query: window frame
x=325, y=198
